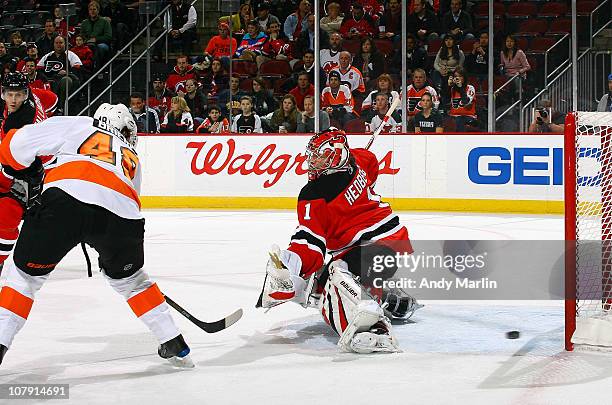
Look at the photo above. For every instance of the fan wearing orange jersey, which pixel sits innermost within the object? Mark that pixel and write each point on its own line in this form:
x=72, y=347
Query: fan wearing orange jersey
x=90, y=196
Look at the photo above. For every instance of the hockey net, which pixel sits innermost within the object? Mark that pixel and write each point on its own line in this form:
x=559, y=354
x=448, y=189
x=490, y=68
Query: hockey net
x=588, y=230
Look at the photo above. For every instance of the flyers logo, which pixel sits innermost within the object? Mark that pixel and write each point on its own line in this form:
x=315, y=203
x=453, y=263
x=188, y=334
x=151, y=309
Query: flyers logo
x=53, y=66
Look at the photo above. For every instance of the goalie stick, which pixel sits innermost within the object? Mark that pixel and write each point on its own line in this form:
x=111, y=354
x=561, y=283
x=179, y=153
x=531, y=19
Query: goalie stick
x=392, y=108
x=208, y=327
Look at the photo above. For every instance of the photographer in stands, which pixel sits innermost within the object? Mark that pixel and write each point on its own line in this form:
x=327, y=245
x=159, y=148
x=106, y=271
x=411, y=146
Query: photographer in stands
x=542, y=123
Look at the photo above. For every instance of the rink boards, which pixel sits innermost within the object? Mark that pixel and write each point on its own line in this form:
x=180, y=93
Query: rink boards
x=448, y=172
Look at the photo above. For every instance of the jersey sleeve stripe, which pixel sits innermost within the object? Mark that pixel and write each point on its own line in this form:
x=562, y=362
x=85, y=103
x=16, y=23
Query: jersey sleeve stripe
x=91, y=172
x=306, y=229
x=6, y=154
x=310, y=246
x=309, y=239
x=371, y=233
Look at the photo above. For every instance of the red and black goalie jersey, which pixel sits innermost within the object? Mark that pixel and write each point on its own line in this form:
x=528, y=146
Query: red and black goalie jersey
x=339, y=211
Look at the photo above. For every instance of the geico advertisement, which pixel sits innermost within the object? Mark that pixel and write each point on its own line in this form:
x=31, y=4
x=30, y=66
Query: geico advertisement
x=253, y=165
x=424, y=166
x=508, y=166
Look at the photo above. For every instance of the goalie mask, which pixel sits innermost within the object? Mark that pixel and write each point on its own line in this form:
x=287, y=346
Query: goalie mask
x=327, y=152
x=119, y=117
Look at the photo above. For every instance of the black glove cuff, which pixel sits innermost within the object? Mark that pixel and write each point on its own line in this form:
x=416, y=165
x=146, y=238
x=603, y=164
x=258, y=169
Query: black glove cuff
x=35, y=170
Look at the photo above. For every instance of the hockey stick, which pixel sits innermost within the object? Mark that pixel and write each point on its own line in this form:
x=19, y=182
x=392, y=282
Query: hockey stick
x=392, y=108
x=208, y=327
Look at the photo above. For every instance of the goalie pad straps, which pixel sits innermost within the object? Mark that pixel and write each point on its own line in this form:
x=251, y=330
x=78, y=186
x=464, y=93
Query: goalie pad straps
x=345, y=306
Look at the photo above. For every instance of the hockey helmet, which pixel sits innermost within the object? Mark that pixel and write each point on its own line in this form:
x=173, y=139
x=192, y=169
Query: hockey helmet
x=327, y=152
x=119, y=117
x=14, y=81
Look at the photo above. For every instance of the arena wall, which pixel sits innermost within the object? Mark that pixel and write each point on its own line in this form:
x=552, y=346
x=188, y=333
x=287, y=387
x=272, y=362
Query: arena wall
x=509, y=173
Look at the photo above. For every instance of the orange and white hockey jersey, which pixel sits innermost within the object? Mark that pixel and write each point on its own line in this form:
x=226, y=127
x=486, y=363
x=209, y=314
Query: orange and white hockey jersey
x=94, y=163
x=459, y=108
x=343, y=97
x=351, y=77
x=413, y=102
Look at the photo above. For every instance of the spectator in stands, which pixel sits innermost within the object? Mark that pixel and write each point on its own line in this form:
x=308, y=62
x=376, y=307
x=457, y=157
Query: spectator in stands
x=84, y=52
x=276, y=47
x=448, y=59
x=330, y=58
x=5, y=58
x=214, y=123
x=307, y=122
x=458, y=22
x=252, y=42
x=182, y=29
x=97, y=32
x=146, y=118
x=178, y=119
x=384, y=84
x=423, y=23
x=180, y=74
x=369, y=61
x=390, y=26
x=286, y=118
x=247, y=122
x=350, y=75
x=121, y=20
x=416, y=57
x=513, y=59
x=161, y=98
x=63, y=78
x=61, y=25
x=381, y=107
x=304, y=88
x=373, y=8
x=37, y=79
x=264, y=18
x=18, y=48
x=262, y=98
x=32, y=54
x=219, y=45
x=416, y=90
x=239, y=21
x=306, y=38
x=45, y=42
x=463, y=100
x=305, y=65
x=605, y=102
x=337, y=99
x=477, y=62
x=542, y=121
x=358, y=25
x=333, y=20
x=196, y=101
x=428, y=119
x=297, y=21
x=216, y=79
x=235, y=94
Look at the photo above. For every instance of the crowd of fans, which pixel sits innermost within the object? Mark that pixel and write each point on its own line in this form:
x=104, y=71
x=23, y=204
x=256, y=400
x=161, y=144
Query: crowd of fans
x=268, y=47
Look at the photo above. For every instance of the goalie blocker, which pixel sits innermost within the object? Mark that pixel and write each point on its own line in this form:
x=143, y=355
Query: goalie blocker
x=340, y=214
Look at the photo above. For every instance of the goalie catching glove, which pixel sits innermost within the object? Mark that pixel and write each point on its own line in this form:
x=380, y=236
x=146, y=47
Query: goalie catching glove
x=283, y=282
x=27, y=183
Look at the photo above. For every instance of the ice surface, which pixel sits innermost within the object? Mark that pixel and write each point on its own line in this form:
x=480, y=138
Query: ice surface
x=81, y=333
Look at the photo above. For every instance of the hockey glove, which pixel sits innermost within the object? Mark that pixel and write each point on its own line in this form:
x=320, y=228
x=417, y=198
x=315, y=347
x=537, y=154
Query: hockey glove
x=28, y=183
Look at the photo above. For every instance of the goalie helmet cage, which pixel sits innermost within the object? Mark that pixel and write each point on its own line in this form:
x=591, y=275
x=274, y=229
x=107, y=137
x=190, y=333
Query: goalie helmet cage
x=588, y=229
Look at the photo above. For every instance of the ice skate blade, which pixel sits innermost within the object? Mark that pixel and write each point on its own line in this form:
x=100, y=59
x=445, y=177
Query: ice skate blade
x=181, y=362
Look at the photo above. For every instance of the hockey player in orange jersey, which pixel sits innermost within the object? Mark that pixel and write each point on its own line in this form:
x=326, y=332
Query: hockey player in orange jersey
x=91, y=195
x=339, y=214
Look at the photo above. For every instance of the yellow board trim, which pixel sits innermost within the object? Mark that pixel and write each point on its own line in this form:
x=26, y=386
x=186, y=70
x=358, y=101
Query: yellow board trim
x=398, y=204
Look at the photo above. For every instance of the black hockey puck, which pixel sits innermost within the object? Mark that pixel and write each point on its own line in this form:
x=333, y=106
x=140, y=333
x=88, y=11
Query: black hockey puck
x=513, y=334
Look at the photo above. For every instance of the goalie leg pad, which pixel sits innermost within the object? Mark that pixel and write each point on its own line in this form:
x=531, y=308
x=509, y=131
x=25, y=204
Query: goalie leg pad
x=283, y=282
x=147, y=303
x=351, y=311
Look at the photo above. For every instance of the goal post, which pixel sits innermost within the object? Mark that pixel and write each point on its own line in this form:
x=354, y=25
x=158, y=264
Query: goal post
x=588, y=230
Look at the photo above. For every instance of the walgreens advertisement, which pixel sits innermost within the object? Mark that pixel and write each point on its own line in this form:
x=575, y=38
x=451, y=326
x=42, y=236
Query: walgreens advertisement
x=413, y=168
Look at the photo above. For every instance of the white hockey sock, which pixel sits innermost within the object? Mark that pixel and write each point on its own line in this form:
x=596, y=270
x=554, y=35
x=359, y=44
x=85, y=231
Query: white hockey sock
x=16, y=300
x=147, y=303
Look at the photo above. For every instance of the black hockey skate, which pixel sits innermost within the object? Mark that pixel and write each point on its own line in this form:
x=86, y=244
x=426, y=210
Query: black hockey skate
x=3, y=350
x=176, y=352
